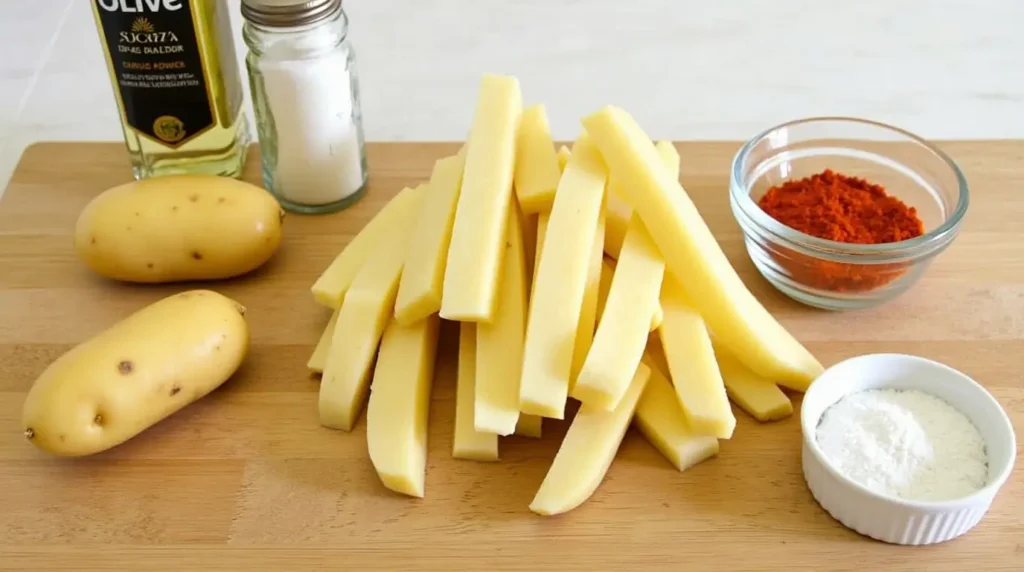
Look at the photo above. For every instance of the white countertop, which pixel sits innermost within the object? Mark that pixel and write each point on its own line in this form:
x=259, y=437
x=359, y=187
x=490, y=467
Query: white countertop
x=687, y=69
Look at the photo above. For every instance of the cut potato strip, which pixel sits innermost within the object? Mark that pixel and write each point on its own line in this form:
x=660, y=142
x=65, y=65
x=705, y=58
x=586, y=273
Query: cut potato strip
x=669, y=156
x=619, y=210
x=587, y=451
x=661, y=420
x=604, y=286
x=478, y=233
x=759, y=397
x=396, y=415
x=368, y=304
x=655, y=354
x=468, y=443
x=588, y=309
x=692, y=365
x=419, y=291
x=563, y=157
x=529, y=230
x=542, y=231
x=400, y=212
x=560, y=284
x=499, y=344
x=622, y=335
x=607, y=273
x=529, y=426
x=319, y=358
x=692, y=254
x=537, y=171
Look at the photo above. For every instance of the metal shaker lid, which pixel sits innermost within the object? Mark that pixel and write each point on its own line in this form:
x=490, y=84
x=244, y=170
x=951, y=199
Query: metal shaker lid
x=288, y=13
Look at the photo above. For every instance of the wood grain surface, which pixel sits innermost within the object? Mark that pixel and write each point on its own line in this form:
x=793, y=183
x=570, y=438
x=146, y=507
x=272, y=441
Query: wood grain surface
x=247, y=479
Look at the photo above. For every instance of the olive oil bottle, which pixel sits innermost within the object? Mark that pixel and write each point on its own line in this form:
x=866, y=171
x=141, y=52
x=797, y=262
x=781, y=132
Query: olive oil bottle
x=178, y=88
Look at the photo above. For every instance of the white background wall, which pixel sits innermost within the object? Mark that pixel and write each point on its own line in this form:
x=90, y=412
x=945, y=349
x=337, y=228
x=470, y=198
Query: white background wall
x=688, y=69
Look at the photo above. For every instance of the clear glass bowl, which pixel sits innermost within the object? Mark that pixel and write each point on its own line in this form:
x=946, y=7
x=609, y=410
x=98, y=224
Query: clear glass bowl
x=835, y=275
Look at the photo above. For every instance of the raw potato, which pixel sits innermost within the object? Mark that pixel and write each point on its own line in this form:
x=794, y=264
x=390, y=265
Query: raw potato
x=693, y=254
x=529, y=230
x=626, y=318
x=619, y=210
x=400, y=212
x=586, y=273
x=759, y=397
x=660, y=419
x=542, y=232
x=467, y=442
x=563, y=157
x=587, y=323
x=537, y=170
x=587, y=451
x=529, y=426
x=318, y=359
x=419, y=291
x=607, y=273
x=137, y=372
x=179, y=228
x=399, y=405
x=560, y=284
x=478, y=231
x=499, y=344
x=369, y=302
x=692, y=366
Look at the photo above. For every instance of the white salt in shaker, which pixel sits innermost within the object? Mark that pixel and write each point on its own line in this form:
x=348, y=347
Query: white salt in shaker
x=306, y=98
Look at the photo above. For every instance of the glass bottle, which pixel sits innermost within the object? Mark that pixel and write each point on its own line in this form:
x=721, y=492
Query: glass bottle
x=306, y=99
x=178, y=88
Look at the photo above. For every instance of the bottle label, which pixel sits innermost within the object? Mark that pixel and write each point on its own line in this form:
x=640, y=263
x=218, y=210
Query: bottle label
x=158, y=67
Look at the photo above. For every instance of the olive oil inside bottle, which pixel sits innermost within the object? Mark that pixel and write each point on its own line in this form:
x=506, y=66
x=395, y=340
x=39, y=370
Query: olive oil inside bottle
x=176, y=80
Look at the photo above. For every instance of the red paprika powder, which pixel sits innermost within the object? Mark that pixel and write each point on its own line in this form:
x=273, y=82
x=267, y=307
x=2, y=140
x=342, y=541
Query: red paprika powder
x=836, y=207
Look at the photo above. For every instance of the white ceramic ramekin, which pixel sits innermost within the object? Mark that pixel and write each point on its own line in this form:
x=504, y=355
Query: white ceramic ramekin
x=892, y=519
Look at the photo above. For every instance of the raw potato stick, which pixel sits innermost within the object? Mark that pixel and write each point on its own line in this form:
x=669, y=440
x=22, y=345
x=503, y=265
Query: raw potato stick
x=537, y=171
x=468, y=443
x=587, y=451
x=396, y=415
x=622, y=335
x=563, y=157
x=669, y=156
x=368, y=305
x=692, y=365
x=759, y=397
x=400, y=212
x=478, y=234
x=588, y=309
x=617, y=213
x=662, y=422
x=560, y=284
x=419, y=292
x=692, y=254
x=542, y=230
x=319, y=358
x=529, y=230
x=655, y=354
x=529, y=426
x=618, y=209
x=499, y=344
x=607, y=273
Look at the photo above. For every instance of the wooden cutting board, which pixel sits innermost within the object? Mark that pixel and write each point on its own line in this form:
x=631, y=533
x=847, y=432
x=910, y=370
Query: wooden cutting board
x=247, y=479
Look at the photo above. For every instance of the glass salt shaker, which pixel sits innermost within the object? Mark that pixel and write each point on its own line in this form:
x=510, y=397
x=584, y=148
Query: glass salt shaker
x=305, y=95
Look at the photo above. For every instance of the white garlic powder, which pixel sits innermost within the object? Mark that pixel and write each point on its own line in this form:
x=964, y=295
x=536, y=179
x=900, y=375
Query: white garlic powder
x=904, y=443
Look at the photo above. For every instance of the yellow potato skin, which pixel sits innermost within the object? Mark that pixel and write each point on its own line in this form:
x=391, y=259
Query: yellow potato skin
x=179, y=228
x=137, y=372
